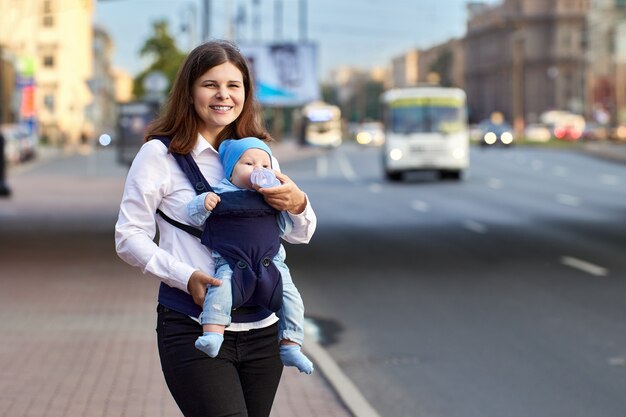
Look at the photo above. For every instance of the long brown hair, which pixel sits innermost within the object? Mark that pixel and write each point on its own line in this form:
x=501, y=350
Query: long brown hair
x=178, y=119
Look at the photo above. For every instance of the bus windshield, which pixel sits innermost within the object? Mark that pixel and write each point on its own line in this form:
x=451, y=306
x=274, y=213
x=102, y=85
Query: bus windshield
x=426, y=115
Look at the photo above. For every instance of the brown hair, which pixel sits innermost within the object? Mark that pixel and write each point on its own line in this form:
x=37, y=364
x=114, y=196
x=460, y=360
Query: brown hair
x=178, y=119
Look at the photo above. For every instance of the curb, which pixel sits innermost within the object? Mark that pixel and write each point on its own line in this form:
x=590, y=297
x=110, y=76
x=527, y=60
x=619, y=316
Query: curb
x=348, y=393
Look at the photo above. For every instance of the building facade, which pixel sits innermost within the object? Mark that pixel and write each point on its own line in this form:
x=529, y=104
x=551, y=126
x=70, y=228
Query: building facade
x=405, y=69
x=443, y=64
x=525, y=57
x=56, y=36
x=606, y=61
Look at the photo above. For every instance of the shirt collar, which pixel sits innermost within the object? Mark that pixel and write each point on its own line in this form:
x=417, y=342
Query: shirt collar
x=202, y=145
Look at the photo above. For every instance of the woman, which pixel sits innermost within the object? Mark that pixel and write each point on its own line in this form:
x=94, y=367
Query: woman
x=212, y=99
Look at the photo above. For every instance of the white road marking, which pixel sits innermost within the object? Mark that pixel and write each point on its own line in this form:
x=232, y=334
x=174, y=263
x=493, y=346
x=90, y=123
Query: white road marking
x=474, y=226
x=536, y=165
x=617, y=361
x=494, y=183
x=344, y=165
x=322, y=166
x=375, y=187
x=420, y=206
x=568, y=200
x=609, y=179
x=560, y=171
x=584, y=266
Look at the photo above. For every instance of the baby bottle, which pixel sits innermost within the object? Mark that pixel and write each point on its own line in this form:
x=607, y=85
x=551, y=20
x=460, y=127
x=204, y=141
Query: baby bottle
x=263, y=177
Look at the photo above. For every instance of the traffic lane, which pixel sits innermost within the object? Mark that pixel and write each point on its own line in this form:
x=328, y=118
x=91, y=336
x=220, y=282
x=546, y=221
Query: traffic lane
x=523, y=254
x=432, y=316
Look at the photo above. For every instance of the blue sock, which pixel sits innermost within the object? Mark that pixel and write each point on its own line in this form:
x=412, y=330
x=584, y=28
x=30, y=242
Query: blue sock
x=291, y=355
x=210, y=343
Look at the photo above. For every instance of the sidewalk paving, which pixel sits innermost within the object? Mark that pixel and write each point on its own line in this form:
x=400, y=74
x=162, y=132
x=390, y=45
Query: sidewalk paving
x=77, y=323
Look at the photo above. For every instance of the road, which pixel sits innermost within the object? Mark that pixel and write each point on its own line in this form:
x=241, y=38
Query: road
x=501, y=295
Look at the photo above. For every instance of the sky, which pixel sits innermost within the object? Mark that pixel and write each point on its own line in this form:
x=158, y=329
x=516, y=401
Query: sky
x=356, y=33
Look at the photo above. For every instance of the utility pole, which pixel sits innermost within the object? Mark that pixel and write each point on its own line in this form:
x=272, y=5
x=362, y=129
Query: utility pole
x=206, y=20
x=256, y=19
x=278, y=20
x=518, y=83
x=303, y=20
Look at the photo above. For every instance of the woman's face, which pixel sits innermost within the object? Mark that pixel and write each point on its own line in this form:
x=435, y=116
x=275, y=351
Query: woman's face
x=218, y=97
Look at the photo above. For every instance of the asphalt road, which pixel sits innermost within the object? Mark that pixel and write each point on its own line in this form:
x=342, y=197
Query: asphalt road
x=501, y=295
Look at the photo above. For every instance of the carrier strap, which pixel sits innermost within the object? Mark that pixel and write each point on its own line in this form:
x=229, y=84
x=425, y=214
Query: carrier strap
x=187, y=228
x=190, y=168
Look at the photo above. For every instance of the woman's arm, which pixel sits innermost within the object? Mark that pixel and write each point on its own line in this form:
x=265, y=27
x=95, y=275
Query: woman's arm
x=148, y=181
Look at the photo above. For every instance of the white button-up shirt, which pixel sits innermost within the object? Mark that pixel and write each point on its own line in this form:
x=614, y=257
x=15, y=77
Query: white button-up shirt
x=154, y=182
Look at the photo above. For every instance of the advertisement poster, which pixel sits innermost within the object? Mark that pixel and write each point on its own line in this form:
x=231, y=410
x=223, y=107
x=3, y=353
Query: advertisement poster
x=285, y=73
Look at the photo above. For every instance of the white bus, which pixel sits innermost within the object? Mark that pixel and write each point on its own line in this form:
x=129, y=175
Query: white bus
x=426, y=128
x=320, y=124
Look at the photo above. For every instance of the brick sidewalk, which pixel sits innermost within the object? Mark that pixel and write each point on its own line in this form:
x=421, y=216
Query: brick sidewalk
x=77, y=324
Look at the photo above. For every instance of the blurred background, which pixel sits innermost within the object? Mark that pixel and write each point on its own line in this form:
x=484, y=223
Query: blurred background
x=465, y=159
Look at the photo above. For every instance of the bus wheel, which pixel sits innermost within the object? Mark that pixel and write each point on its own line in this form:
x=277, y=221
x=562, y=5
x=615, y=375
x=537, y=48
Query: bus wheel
x=450, y=175
x=393, y=176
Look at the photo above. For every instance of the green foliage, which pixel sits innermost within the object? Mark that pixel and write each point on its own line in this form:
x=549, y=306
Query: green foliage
x=162, y=50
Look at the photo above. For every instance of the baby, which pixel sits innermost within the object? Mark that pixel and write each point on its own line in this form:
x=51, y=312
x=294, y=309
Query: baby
x=241, y=160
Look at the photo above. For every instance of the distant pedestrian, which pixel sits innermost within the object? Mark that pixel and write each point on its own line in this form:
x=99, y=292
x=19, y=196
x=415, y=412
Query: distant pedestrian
x=256, y=233
x=212, y=99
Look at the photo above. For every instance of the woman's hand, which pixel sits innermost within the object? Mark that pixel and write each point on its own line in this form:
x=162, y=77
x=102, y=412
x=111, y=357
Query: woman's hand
x=286, y=196
x=197, y=285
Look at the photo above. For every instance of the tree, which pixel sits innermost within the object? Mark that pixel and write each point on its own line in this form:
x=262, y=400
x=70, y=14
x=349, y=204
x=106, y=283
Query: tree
x=166, y=57
x=443, y=67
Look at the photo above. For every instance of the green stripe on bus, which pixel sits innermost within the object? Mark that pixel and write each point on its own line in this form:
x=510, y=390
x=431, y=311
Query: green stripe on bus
x=426, y=101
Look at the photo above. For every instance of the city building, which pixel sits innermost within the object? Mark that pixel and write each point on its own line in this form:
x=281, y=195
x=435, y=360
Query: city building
x=443, y=64
x=52, y=43
x=358, y=91
x=102, y=111
x=606, y=61
x=404, y=69
x=525, y=57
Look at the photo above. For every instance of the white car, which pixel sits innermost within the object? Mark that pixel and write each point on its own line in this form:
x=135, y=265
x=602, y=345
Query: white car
x=537, y=132
x=370, y=134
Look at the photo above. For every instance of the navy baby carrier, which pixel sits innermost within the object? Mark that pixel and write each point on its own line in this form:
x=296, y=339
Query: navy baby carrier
x=243, y=229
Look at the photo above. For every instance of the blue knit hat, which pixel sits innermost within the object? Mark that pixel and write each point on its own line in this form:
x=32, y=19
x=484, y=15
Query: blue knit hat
x=231, y=150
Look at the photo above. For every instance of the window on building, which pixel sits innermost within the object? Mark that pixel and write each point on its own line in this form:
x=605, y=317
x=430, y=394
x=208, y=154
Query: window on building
x=48, y=18
x=48, y=61
x=48, y=101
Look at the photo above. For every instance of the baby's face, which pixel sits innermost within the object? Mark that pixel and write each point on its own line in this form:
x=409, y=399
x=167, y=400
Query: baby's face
x=250, y=159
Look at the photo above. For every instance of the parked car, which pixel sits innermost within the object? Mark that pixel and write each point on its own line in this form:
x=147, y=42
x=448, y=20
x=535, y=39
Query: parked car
x=537, y=132
x=496, y=133
x=370, y=133
x=619, y=133
x=594, y=131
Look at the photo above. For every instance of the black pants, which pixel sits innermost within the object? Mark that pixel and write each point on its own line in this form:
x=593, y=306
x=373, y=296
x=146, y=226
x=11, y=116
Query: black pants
x=240, y=382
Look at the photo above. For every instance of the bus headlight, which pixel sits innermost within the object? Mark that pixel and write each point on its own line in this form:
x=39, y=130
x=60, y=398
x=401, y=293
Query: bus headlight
x=458, y=153
x=490, y=138
x=395, y=154
x=363, y=138
x=506, y=138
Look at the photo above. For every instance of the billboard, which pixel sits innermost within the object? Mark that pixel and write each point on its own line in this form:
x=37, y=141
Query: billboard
x=285, y=73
